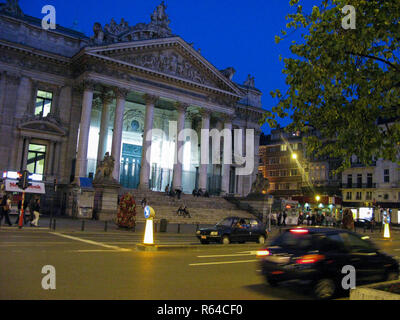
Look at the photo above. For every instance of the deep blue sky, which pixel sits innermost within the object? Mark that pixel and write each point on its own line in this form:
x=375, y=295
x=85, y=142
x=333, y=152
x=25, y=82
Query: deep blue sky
x=233, y=33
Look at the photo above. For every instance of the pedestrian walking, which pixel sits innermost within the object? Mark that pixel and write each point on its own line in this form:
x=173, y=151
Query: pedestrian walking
x=167, y=190
x=284, y=218
x=36, y=213
x=279, y=218
x=6, y=209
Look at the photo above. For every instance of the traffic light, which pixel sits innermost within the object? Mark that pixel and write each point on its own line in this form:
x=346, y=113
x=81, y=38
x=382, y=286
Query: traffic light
x=23, y=180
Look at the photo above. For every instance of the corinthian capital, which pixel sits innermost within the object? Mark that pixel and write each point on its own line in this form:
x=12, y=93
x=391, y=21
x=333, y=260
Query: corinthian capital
x=89, y=85
x=205, y=113
x=120, y=93
x=149, y=98
x=181, y=107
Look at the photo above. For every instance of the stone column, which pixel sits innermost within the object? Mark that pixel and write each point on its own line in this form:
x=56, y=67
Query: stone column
x=204, y=150
x=56, y=165
x=146, y=150
x=226, y=167
x=25, y=154
x=117, y=133
x=81, y=158
x=51, y=154
x=103, y=134
x=177, y=177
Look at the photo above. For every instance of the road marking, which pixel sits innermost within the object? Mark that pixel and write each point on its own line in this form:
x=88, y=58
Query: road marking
x=224, y=262
x=90, y=242
x=85, y=251
x=225, y=255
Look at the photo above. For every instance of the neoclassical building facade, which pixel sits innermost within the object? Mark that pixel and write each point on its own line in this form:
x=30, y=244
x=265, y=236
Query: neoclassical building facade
x=66, y=99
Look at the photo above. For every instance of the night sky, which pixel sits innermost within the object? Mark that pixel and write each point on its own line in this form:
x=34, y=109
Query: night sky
x=229, y=33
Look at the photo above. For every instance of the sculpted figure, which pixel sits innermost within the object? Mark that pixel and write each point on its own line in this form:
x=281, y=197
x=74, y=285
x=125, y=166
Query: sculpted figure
x=105, y=169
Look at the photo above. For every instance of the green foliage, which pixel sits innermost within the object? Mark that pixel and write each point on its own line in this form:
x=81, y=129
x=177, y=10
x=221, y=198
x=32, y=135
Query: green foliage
x=342, y=80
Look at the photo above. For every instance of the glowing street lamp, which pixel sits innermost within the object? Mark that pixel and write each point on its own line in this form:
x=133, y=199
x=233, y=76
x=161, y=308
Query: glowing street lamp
x=294, y=156
x=317, y=198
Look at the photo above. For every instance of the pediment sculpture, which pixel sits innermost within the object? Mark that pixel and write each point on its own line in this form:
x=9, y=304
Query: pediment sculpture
x=166, y=61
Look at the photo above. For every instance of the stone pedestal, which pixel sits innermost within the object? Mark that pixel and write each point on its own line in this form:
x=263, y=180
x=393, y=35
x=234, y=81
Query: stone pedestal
x=106, y=201
x=80, y=202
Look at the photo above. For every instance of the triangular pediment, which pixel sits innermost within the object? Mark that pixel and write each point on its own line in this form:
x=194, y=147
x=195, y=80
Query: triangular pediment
x=42, y=125
x=172, y=57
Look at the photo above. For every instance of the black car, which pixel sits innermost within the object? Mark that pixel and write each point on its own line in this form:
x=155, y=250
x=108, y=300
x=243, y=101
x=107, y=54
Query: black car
x=317, y=255
x=362, y=223
x=234, y=229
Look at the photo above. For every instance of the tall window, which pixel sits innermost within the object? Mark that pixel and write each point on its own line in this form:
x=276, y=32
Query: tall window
x=283, y=147
x=349, y=181
x=348, y=196
x=359, y=180
x=36, y=158
x=44, y=100
x=369, y=180
x=386, y=175
x=358, y=196
x=368, y=195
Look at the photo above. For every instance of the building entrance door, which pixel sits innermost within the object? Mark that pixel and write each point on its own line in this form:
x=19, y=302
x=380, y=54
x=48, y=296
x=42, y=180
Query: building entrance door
x=130, y=165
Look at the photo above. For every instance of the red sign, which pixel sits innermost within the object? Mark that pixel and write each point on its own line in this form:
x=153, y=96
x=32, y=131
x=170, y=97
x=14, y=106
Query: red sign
x=36, y=187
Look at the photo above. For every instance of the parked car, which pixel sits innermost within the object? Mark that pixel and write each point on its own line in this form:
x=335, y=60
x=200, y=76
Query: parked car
x=362, y=223
x=317, y=255
x=234, y=229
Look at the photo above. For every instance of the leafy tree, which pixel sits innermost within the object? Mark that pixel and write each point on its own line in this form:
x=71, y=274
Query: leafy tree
x=341, y=80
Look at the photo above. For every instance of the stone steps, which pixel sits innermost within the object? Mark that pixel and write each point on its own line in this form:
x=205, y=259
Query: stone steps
x=202, y=210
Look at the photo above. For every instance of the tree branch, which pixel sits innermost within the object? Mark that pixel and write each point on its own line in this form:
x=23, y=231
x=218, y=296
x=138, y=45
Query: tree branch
x=374, y=58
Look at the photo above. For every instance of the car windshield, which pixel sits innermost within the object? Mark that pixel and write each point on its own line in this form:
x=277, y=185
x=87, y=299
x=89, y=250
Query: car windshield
x=227, y=222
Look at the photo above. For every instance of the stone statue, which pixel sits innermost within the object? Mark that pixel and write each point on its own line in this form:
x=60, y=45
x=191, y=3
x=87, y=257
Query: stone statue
x=98, y=37
x=12, y=7
x=228, y=72
x=260, y=184
x=159, y=13
x=249, y=81
x=105, y=169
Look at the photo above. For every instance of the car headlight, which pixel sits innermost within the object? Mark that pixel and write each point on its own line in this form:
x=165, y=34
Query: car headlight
x=198, y=232
x=213, y=233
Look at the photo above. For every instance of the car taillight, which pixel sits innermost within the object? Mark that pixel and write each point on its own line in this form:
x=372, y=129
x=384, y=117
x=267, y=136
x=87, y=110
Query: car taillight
x=299, y=231
x=263, y=253
x=310, y=258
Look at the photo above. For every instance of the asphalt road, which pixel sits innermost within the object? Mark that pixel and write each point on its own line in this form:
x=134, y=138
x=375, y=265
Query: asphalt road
x=98, y=265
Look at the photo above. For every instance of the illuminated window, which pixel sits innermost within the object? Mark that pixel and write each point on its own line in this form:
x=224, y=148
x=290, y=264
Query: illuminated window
x=36, y=158
x=44, y=100
x=283, y=147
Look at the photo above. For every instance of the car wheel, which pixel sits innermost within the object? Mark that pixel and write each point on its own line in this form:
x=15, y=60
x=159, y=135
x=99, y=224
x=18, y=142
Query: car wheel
x=261, y=239
x=272, y=282
x=391, y=276
x=225, y=240
x=324, y=289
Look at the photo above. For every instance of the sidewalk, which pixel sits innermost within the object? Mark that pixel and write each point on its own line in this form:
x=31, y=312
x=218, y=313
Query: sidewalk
x=67, y=224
